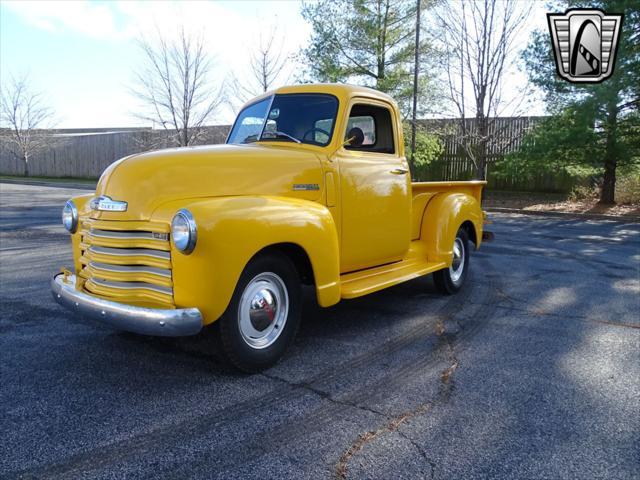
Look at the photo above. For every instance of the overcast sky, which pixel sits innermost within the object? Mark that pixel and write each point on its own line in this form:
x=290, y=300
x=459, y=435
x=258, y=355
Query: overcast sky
x=82, y=54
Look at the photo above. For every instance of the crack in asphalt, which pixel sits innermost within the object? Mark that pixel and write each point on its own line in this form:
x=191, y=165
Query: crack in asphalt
x=544, y=313
x=423, y=453
x=324, y=395
x=395, y=422
x=549, y=252
x=541, y=312
x=393, y=425
x=616, y=324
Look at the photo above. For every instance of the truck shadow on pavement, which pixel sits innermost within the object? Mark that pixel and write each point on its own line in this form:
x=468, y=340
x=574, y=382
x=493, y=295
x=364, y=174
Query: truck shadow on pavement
x=349, y=320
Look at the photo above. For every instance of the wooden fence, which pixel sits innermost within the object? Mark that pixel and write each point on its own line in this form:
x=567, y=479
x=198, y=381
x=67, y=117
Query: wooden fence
x=86, y=153
x=505, y=136
x=77, y=153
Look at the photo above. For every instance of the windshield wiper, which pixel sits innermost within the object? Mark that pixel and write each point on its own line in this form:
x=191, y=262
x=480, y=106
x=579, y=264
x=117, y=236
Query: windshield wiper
x=283, y=135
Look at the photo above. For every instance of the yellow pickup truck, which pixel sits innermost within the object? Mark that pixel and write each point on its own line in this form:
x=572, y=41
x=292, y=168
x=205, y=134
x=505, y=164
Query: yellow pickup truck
x=312, y=187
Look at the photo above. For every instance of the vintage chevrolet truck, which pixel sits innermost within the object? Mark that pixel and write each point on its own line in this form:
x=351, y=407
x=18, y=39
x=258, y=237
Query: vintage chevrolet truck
x=312, y=187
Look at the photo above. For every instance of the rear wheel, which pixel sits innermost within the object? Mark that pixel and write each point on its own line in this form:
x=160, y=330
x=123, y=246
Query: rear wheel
x=263, y=316
x=450, y=280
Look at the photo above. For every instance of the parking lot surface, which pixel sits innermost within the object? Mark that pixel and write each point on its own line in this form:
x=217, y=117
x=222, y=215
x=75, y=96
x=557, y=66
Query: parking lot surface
x=532, y=371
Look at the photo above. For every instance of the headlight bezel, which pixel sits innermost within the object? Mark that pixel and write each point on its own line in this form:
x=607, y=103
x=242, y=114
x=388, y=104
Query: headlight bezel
x=73, y=210
x=191, y=228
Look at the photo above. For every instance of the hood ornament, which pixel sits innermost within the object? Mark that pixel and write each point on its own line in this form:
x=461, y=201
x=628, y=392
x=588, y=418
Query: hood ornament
x=106, y=204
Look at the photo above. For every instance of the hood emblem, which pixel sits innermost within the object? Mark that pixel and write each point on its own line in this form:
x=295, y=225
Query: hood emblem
x=305, y=186
x=105, y=204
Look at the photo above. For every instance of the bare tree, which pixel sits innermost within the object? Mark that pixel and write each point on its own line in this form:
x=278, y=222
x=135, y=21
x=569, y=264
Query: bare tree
x=478, y=41
x=266, y=67
x=24, y=114
x=174, y=84
x=268, y=60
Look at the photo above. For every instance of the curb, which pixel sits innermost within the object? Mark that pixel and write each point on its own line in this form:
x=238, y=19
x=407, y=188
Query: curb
x=43, y=183
x=595, y=216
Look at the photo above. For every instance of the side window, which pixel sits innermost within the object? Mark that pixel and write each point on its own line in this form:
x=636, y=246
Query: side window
x=370, y=129
x=368, y=126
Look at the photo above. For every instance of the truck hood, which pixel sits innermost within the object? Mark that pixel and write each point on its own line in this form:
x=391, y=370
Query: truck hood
x=146, y=181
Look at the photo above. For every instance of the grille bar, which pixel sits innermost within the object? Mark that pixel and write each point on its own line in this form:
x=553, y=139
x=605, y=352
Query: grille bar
x=163, y=272
x=157, y=236
x=132, y=286
x=126, y=226
x=130, y=252
x=126, y=239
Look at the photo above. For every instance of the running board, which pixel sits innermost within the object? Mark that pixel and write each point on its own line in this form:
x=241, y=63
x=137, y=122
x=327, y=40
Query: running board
x=371, y=280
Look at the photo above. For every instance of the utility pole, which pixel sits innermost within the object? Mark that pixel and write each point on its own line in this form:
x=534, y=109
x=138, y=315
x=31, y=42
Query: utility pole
x=415, y=87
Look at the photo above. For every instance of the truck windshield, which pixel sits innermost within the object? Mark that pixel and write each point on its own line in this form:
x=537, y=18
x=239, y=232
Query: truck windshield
x=295, y=117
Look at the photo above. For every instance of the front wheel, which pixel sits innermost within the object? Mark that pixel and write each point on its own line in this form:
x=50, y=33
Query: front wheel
x=263, y=316
x=450, y=280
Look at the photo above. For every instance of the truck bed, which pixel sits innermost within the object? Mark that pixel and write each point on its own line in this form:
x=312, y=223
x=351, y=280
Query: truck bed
x=416, y=263
x=472, y=187
x=424, y=191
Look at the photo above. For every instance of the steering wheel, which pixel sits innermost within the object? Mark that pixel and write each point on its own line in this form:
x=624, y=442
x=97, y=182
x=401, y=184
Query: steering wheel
x=315, y=129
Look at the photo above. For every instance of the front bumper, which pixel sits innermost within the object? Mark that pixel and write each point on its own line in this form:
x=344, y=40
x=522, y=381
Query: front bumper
x=146, y=321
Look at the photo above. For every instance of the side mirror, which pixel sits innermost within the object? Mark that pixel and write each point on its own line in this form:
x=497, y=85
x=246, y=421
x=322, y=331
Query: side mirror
x=348, y=141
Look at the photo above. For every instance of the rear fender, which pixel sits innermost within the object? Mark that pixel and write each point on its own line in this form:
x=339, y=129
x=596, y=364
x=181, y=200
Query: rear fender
x=444, y=215
x=231, y=230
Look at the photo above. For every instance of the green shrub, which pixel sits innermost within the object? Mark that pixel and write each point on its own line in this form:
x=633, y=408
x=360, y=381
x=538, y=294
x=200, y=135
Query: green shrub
x=584, y=192
x=428, y=148
x=628, y=186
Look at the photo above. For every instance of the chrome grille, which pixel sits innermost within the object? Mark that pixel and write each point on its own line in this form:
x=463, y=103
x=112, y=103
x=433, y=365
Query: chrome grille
x=131, y=265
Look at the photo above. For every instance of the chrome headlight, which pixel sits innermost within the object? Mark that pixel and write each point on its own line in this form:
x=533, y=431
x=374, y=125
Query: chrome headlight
x=184, y=231
x=70, y=216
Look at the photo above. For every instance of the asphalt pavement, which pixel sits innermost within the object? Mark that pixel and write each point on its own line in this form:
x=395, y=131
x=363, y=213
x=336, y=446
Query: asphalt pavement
x=532, y=371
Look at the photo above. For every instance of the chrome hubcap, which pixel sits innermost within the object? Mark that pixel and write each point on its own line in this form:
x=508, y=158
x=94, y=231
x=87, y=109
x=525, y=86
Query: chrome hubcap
x=263, y=312
x=457, y=265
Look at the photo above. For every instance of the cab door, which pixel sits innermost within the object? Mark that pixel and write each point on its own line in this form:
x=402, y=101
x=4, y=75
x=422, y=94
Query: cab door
x=375, y=188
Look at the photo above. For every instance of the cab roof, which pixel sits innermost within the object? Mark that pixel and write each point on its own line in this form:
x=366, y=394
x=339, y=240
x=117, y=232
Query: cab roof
x=342, y=91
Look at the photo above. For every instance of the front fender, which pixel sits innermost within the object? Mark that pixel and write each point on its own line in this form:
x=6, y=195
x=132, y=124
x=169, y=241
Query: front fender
x=231, y=230
x=444, y=215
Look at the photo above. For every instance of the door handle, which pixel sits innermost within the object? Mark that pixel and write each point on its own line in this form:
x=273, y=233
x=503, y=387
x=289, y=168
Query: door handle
x=399, y=171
